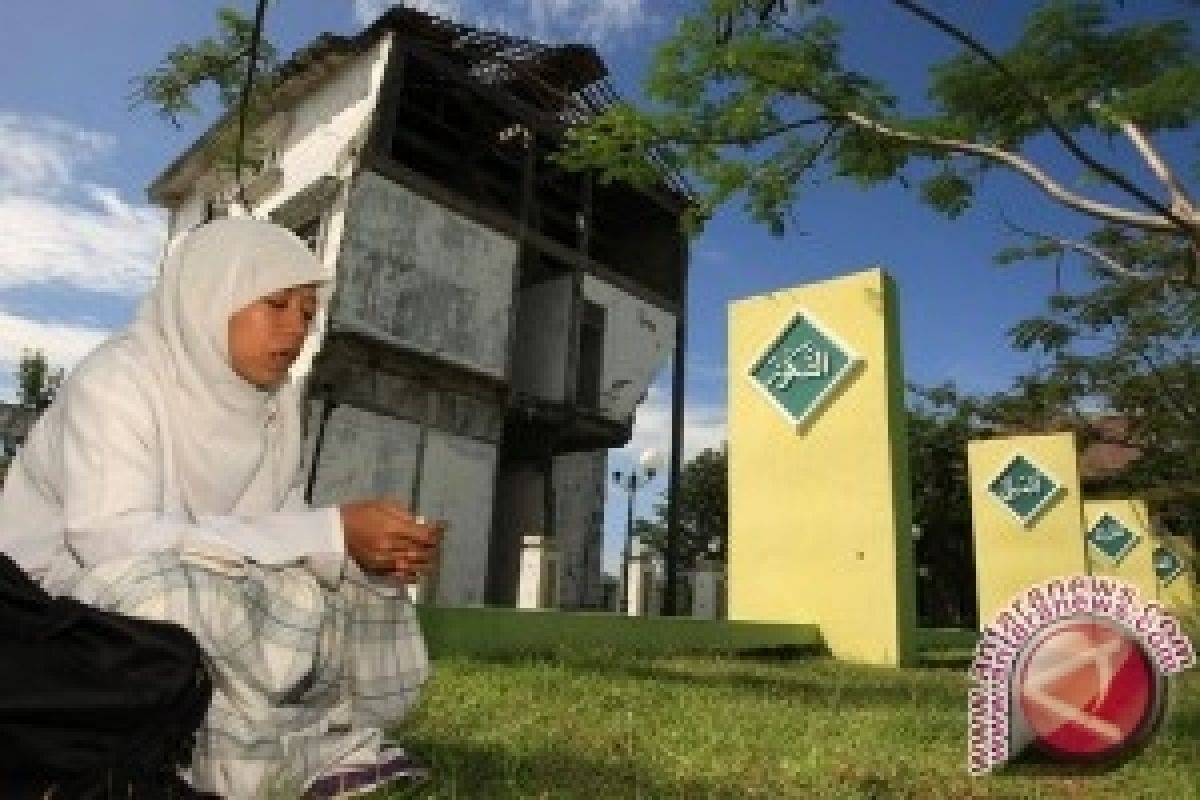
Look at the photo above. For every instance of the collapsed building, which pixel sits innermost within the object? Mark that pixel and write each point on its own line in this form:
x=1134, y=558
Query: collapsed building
x=494, y=319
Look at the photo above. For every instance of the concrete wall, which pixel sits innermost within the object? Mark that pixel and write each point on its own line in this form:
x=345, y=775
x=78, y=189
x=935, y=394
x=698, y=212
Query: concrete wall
x=638, y=341
x=312, y=139
x=425, y=279
x=457, y=480
x=446, y=477
x=539, y=358
x=579, y=487
x=366, y=455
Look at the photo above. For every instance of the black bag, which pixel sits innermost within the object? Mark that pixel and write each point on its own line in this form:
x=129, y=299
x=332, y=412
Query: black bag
x=93, y=704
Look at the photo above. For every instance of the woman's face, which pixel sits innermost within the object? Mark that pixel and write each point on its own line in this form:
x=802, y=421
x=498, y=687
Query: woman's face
x=265, y=337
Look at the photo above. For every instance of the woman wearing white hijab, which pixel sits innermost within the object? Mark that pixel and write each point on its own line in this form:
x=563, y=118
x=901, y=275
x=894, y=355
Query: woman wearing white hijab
x=164, y=482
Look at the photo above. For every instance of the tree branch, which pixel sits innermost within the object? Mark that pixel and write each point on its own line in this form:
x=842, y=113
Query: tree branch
x=1184, y=409
x=1083, y=248
x=826, y=140
x=244, y=104
x=1102, y=211
x=1181, y=203
x=760, y=136
x=1039, y=104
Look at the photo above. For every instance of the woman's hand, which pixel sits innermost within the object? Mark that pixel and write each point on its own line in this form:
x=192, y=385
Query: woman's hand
x=385, y=538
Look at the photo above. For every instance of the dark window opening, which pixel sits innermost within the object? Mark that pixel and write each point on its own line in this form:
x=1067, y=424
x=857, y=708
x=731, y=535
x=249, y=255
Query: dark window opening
x=636, y=237
x=549, y=587
x=591, y=355
x=455, y=135
x=465, y=137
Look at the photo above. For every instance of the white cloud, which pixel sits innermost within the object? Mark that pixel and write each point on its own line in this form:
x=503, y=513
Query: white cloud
x=596, y=21
x=64, y=345
x=59, y=228
x=103, y=244
x=703, y=427
x=38, y=154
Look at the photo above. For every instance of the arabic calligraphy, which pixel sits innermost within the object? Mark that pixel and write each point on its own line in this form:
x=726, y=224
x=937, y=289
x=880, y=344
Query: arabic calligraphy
x=805, y=362
x=1166, y=563
x=1113, y=539
x=1012, y=487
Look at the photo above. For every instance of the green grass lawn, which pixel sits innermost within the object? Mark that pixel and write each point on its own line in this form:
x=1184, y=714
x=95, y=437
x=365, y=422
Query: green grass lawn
x=592, y=726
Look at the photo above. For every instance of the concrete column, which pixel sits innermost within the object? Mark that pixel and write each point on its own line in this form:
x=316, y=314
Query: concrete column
x=658, y=589
x=641, y=593
x=538, y=579
x=708, y=589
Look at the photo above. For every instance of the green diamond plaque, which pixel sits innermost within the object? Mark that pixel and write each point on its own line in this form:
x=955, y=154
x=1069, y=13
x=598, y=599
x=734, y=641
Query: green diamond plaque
x=1024, y=489
x=801, y=368
x=1167, y=565
x=1112, y=538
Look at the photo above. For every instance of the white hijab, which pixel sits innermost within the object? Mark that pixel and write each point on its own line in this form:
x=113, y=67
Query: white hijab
x=236, y=448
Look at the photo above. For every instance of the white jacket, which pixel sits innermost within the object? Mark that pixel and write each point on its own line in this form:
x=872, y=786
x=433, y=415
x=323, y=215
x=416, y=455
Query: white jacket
x=95, y=481
x=154, y=442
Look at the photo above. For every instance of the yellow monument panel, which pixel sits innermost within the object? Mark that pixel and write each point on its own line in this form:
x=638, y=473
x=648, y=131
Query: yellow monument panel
x=1119, y=542
x=820, y=513
x=1026, y=513
x=1175, y=571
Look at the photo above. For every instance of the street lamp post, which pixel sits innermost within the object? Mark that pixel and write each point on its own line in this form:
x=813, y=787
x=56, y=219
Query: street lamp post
x=631, y=481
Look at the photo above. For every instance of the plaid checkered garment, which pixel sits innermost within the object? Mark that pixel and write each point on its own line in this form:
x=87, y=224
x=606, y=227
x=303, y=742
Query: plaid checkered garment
x=309, y=669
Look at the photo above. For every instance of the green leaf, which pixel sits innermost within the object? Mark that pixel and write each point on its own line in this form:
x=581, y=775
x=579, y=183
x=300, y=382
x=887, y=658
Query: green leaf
x=948, y=192
x=1045, y=334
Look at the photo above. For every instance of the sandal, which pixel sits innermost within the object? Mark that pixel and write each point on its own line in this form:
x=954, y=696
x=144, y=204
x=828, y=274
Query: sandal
x=393, y=766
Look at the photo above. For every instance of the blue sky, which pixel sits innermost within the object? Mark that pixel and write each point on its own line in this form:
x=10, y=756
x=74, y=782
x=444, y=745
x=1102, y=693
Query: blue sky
x=79, y=241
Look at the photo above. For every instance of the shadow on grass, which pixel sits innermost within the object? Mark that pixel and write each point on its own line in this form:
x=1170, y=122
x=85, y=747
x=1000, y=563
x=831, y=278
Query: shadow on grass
x=499, y=772
x=958, y=659
x=796, y=652
x=1182, y=723
x=958, y=662
x=818, y=680
x=467, y=770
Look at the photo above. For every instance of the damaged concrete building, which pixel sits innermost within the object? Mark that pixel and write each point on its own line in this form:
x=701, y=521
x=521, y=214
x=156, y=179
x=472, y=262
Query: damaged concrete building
x=494, y=319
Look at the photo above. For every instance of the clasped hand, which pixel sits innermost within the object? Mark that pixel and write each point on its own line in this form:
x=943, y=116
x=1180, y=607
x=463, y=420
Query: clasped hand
x=387, y=539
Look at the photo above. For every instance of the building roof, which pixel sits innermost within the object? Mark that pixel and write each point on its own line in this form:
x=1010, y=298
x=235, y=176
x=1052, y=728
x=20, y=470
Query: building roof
x=1104, y=450
x=1107, y=456
x=564, y=83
